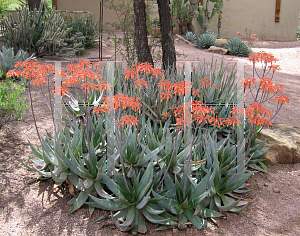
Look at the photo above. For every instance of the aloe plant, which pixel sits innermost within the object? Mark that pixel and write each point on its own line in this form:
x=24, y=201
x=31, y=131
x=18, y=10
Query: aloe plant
x=135, y=204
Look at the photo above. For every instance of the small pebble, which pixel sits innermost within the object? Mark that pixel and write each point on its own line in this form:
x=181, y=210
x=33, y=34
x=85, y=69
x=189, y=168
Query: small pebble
x=266, y=184
x=276, y=190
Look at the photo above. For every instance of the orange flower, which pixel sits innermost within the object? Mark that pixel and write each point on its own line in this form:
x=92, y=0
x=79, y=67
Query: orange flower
x=232, y=121
x=282, y=99
x=158, y=72
x=130, y=73
x=165, y=115
x=205, y=82
x=165, y=95
x=196, y=92
x=141, y=83
x=263, y=57
x=217, y=121
x=165, y=85
x=64, y=91
x=256, y=109
x=71, y=80
x=274, y=67
x=145, y=67
x=88, y=86
x=128, y=120
x=102, y=86
x=179, y=87
x=259, y=121
x=248, y=82
x=100, y=109
x=266, y=84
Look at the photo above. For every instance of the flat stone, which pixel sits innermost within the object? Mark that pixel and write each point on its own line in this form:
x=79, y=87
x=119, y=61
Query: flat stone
x=221, y=42
x=218, y=50
x=284, y=143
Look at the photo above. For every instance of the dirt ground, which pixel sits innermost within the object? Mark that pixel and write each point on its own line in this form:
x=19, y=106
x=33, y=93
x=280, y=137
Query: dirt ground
x=40, y=208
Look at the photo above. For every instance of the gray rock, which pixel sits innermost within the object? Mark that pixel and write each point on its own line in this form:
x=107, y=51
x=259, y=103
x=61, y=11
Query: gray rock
x=284, y=141
x=218, y=50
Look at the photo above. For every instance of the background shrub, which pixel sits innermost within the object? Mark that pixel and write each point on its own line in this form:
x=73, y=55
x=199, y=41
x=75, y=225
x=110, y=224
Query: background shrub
x=13, y=104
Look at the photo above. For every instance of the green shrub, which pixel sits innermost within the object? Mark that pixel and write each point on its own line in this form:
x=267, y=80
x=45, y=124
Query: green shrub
x=237, y=47
x=13, y=104
x=206, y=41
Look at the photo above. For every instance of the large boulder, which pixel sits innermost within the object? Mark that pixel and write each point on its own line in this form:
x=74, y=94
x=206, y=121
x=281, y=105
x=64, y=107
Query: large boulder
x=284, y=143
x=218, y=50
x=221, y=42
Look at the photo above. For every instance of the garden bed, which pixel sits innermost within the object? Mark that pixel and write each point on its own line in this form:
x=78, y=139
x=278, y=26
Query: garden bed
x=26, y=209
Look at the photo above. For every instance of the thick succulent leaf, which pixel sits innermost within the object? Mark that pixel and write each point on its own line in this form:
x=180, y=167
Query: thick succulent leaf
x=88, y=183
x=101, y=191
x=155, y=219
x=141, y=228
x=81, y=199
x=130, y=217
x=201, y=187
x=37, y=153
x=209, y=213
x=228, y=207
x=153, y=211
x=76, y=169
x=198, y=199
x=143, y=203
x=195, y=220
x=111, y=185
x=182, y=223
x=61, y=178
x=107, y=204
x=169, y=182
x=145, y=182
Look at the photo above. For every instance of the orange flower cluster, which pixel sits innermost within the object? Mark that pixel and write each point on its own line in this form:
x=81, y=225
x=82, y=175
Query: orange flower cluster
x=128, y=120
x=263, y=57
x=200, y=113
x=256, y=113
x=31, y=70
x=147, y=68
x=82, y=73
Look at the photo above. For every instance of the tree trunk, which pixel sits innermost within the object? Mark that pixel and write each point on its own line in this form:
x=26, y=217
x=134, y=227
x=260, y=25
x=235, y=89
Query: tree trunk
x=32, y=4
x=141, y=39
x=167, y=40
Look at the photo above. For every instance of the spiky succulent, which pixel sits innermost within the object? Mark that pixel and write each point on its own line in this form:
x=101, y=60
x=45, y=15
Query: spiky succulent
x=8, y=58
x=206, y=41
x=190, y=36
x=237, y=47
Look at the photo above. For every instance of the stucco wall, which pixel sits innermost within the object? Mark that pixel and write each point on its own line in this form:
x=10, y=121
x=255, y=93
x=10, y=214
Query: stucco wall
x=259, y=16
x=255, y=15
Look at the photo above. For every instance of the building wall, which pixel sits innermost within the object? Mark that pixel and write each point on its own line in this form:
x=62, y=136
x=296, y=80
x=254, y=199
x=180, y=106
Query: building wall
x=257, y=16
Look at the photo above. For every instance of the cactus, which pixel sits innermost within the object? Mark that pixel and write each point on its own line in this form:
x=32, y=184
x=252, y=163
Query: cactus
x=33, y=32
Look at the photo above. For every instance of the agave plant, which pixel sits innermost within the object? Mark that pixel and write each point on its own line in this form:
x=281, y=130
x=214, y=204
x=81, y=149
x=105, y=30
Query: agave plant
x=237, y=47
x=8, y=58
x=190, y=36
x=205, y=41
